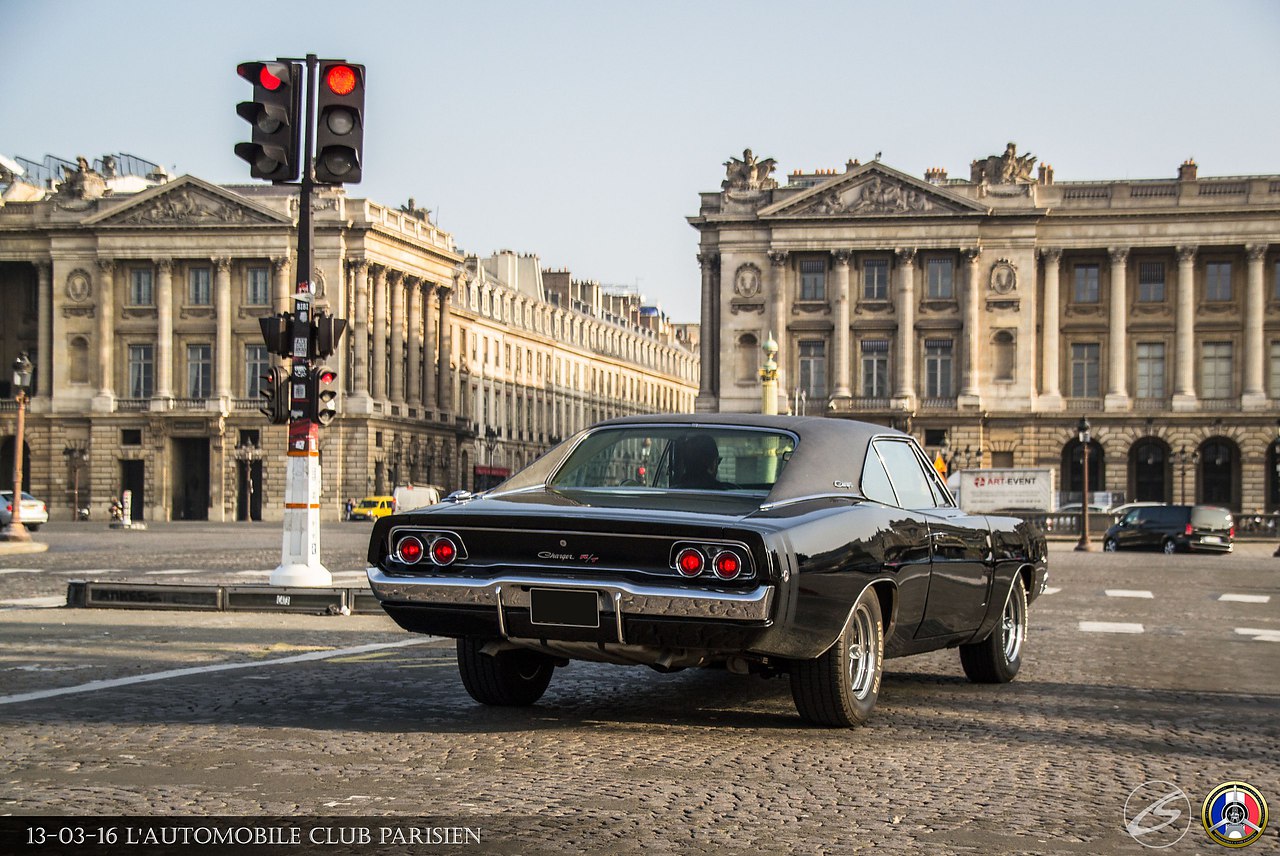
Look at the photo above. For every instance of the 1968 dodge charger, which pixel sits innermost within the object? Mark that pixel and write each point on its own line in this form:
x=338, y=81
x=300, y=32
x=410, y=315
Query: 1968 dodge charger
x=807, y=546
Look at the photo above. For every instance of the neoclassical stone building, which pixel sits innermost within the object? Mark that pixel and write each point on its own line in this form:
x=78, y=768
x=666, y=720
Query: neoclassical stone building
x=138, y=299
x=989, y=314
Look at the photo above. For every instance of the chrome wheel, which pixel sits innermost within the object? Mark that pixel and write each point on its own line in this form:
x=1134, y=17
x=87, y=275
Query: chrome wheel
x=998, y=657
x=864, y=653
x=1013, y=625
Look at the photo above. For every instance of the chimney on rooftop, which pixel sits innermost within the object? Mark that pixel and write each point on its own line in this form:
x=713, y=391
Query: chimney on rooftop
x=935, y=175
x=1187, y=172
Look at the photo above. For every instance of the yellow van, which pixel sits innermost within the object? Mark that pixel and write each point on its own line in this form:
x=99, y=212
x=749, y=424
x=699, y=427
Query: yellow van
x=373, y=507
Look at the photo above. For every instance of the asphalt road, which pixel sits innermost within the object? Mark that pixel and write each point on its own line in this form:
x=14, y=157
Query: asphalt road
x=1137, y=669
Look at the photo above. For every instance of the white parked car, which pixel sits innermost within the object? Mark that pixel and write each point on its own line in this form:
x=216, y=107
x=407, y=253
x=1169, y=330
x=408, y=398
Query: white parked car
x=34, y=512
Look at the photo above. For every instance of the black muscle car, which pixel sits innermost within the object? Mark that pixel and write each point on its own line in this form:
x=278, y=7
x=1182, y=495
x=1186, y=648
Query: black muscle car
x=812, y=547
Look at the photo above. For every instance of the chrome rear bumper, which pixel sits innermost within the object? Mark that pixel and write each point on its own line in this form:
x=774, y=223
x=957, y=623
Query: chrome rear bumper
x=619, y=598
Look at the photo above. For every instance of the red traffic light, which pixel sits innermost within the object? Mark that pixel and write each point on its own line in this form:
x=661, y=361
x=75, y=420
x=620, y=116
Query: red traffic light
x=269, y=80
x=328, y=376
x=341, y=79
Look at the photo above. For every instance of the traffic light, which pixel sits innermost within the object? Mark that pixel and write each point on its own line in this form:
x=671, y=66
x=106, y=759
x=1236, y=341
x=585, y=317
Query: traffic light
x=274, y=390
x=324, y=395
x=339, y=122
x=275, y=115
x=275, y=333
x=325, y=333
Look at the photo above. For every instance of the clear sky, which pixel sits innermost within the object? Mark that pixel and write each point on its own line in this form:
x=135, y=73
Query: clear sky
x=584, y=131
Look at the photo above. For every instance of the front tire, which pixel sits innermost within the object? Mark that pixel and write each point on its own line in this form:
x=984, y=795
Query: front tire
x=1110, y=545
x=512, y=678
x=839, y=688
x=997, y=659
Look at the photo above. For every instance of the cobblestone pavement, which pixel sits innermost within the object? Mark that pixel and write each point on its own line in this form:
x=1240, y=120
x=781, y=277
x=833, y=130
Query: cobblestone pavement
x=1168, y=682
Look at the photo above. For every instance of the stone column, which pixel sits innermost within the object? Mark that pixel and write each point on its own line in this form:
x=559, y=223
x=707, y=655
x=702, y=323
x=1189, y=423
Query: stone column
x=164, y=332
x=222, y=298
x=1184, y=387
x=1255, y=394
x=1118, y=362
x=446, y=352
x=44, y=332
x=378, y=363
x=360, y=327
x=431, y=319
x=1051, y=375
x=970, y=392
x=282, y=295
x=396, y=282
x=710, y=331
x=105, y=399
x=844, y=363
x=413, y=392
x=905, y=306
x=778, y=320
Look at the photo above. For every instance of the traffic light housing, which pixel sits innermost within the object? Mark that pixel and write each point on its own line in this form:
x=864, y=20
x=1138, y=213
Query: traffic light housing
x=325, y=333
x=274, y=390
x=275, y=333
x=339, y=122
x=275, y=114
x=324, y=395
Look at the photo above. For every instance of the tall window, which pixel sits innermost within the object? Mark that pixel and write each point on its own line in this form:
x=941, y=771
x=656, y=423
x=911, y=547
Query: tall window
x=1275, y=369
x=875, y=368
x=199, y=371
x=1084, y=369
x=1217, y=281
x=1086, y=284
x=258, y=293
x=255, y=366
x=198, y=291
x=1215, y=370
x=813, y=279
x=1150, y=370
x=875, y=279
x=1275, y=282
x=813, y=369
x=938, y=362
x=141, y=288
x=940, y=279
x=141, y=370
x=1150, y=282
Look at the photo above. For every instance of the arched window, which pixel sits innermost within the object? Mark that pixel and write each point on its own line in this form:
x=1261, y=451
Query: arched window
x=746, y=358
x=1004, y=356
x=1219, y=480
x=1073, y=469
x=1151, y=471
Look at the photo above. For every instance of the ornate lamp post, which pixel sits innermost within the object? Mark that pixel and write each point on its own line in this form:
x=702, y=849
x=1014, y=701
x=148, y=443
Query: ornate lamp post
x=15, y=531
x=1183, y=460
x=77, y=457
x=1082, y=434
x=247, y=453
x=769, y=378
x=490, y=442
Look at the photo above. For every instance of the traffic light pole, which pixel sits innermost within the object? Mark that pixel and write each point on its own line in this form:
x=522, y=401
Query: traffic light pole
x=300, y=552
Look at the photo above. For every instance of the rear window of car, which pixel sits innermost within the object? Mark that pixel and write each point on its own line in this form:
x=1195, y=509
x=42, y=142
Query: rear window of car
x=1209, y=517
x=673, y=457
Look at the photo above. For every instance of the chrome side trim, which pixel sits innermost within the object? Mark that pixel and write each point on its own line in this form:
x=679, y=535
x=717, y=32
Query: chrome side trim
x=627, y=598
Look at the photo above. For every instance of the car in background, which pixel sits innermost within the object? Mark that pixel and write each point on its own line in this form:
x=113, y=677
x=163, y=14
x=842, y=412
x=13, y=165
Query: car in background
x=1074, y=508
x=1173, y=528
x=1120, y=511
x=373, y=507
x=34, y=512
x=808, y=547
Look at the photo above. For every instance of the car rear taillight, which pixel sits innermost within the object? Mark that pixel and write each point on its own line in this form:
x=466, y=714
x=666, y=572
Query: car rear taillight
x=1188, y=532
x=727, y=564
x=443, y=551
x=690, y=562
x=1232, y=532
x=410, y=550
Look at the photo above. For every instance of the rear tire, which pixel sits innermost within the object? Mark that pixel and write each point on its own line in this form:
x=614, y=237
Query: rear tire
x=1170, y=547
x=996, y=659
x=839, y=688
x=512, y=678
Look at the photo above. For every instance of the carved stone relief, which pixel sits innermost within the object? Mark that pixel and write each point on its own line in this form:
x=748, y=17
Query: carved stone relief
x=1004, y=276
x=187, y=205
x=746, y=282
x=79, y=285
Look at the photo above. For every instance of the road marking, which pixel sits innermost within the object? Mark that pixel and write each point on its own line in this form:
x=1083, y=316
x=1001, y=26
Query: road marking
x=1129, y=593
x=20, y=570
x=1246, y=598
x=88, y=571
x=1260, y=635
x=35, y=602
x=1110, y=627
x=174, y=572
x=1052, y=590
x=112, y=683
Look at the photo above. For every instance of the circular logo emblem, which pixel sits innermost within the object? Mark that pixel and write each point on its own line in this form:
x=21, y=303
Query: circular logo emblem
x=1157, y=814
x=1234, y=814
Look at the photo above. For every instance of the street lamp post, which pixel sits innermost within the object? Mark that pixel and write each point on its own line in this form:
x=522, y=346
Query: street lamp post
x=1183, y=459
x=15, y=531
x=247, y=453
x=77, y=457
x=1082, y=434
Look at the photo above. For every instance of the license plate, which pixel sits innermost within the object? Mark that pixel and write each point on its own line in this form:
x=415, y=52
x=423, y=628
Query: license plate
x=564, y=607
x=1211, y=539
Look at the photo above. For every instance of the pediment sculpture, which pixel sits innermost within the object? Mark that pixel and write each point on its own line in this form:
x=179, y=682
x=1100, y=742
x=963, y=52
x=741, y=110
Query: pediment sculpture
x=186, y=206
x=1008, y=168
x=749, y=173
